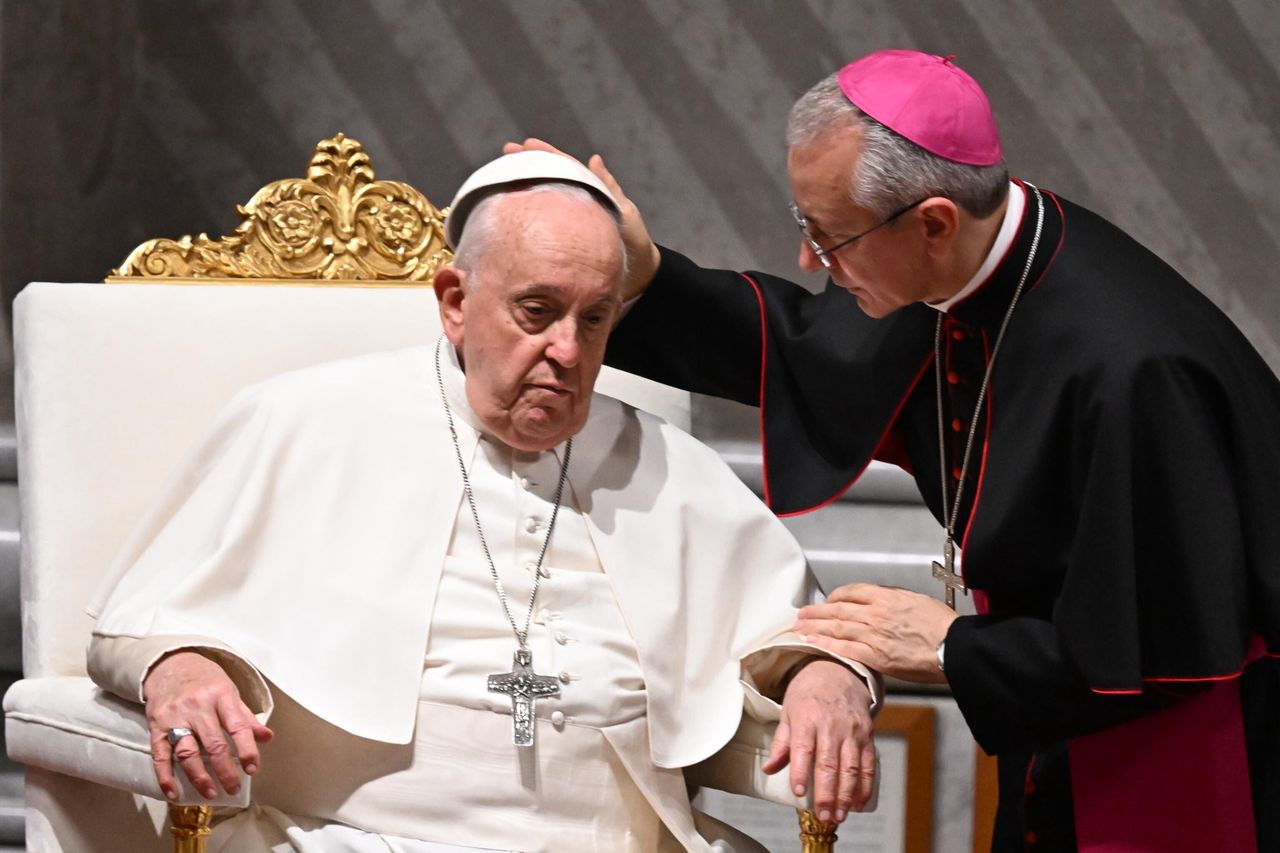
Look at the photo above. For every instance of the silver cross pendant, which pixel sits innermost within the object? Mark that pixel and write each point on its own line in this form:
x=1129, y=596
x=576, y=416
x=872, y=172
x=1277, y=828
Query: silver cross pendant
x=525, y=687
x=947, y=574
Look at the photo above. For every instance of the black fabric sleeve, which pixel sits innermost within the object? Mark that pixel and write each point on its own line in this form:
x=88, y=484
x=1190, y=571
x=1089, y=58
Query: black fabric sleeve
x=827, y=378
x=1018, y=690
x=696, y=329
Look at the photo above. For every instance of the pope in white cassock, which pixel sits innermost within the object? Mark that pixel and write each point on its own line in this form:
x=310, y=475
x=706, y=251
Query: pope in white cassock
x=485, y=608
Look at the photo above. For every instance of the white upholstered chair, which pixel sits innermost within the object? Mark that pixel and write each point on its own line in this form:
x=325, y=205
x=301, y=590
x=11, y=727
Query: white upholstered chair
x=115, y=380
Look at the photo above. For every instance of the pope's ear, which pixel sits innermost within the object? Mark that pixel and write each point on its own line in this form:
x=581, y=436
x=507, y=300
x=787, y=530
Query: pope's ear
x=450, y=294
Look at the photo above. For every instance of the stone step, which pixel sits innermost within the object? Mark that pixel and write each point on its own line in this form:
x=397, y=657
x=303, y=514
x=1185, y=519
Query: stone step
x=887, y=544
x=11, y=815
x=8, y=452
x=879, y=531
x=879, y=483
x=10, y=597
x=11, y=807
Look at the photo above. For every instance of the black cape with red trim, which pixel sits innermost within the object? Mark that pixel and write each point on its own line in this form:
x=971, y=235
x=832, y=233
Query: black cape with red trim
x=1121, y=524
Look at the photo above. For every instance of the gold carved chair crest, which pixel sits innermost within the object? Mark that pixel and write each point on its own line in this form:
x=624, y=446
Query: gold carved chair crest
x=339, y=223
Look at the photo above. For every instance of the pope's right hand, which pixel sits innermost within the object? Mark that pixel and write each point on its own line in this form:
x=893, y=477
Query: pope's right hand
x=825, y=730
x=642, y=255
x=185, y=689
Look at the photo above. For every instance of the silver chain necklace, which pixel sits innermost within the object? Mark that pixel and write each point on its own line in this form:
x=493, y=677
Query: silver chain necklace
x=945, y=571
x=522, y=684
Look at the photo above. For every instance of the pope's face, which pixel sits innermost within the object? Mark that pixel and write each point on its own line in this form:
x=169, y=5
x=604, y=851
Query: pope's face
x=531, y=320
x=885, y=269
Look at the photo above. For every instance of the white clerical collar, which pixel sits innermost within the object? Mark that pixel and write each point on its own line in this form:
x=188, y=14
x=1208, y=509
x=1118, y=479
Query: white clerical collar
x=455, y=387
x=1004, y=239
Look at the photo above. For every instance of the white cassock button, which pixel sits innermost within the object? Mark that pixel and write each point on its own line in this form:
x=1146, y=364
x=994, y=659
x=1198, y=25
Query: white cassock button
x=557, y=718
x=545, y=572
x=524, y=482
x=565, y=677
x=561, y=637
x=531, y=525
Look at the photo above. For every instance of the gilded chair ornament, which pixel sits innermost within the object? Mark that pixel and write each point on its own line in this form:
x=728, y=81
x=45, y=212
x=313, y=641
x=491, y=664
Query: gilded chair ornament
x=189, y=826
x=338, y=224
x=816, y=836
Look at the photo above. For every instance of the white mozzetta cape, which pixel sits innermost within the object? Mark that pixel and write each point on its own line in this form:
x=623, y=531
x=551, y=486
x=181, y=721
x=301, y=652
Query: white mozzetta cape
x=309, y=528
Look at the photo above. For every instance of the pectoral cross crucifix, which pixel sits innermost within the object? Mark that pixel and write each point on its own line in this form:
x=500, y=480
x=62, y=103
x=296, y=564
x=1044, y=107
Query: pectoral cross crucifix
x=947, y=573
x=525, y=687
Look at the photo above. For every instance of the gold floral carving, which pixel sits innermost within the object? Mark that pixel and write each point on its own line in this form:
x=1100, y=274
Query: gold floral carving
x=337, y=224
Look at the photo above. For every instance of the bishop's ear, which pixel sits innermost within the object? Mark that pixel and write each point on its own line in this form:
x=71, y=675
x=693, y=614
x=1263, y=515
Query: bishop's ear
x=450, y=294
x=940, y=218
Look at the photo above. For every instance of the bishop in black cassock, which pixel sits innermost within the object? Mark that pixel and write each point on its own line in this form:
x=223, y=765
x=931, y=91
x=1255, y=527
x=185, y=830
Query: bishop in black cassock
x=1120, y=521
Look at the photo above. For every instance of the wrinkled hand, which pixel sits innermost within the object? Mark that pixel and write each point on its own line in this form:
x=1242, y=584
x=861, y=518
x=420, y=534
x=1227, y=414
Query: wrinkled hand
x=187, y=689
x=891, y=630
x=642, y=254
x=826, y=728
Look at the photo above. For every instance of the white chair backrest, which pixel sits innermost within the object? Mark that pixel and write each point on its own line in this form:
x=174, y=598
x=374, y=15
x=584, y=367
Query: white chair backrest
x=115, y=381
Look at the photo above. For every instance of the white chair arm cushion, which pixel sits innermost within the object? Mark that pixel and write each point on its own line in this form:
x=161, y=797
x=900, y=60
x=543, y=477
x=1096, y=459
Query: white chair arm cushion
x=70, y=726
x=735, y=769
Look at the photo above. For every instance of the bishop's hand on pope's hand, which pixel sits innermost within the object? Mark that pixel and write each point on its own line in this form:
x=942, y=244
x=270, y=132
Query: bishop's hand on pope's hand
x=894, y=631
x=825, y=730
x=190, y=703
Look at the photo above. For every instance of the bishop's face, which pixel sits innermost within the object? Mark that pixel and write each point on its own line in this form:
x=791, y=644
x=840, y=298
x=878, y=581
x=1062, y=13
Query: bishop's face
x=531, y=321
x=885, y=269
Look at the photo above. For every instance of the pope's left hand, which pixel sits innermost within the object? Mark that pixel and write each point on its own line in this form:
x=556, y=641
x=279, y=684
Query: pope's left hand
x=826, y=727
x=891, y=630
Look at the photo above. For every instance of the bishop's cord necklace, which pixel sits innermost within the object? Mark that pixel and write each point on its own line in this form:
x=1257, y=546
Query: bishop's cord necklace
x=522, y=684
x=946, y=570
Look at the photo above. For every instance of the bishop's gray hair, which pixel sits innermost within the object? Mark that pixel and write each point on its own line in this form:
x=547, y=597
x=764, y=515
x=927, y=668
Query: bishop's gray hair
x=483, y=222
x=892, y=171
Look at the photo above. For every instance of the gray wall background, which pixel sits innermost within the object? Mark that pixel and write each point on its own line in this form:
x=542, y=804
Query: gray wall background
x=122, y=120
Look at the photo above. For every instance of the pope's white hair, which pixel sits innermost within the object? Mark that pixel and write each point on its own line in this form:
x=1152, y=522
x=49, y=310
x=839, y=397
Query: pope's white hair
x=485, y=221
x=892, y=171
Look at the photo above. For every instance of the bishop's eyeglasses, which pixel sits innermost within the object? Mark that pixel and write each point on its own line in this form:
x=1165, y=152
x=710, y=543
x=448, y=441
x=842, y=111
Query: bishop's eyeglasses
x=825, y=255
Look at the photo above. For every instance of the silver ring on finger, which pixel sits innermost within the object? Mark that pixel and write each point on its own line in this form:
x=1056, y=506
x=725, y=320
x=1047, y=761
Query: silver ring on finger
x=176, y=734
